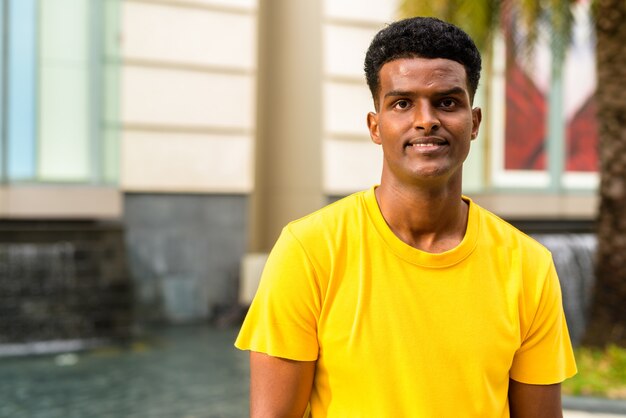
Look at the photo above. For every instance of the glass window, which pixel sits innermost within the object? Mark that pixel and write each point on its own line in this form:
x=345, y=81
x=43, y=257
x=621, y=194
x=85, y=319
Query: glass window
x=64, y=105
x=549, y=136
x=21, y=89
x=61, y=59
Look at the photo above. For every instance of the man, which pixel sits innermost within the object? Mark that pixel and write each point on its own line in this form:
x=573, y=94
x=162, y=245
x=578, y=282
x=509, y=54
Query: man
x=409, y=300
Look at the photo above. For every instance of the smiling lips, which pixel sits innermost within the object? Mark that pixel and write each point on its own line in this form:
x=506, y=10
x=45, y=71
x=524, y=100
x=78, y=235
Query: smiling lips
x=424, y=144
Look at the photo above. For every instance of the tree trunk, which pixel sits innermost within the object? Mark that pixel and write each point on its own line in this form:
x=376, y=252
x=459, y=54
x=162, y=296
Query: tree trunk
x=607, y=321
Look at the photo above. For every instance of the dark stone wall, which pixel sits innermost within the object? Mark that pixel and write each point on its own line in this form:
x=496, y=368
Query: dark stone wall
x=184, y=253
x=63, y=281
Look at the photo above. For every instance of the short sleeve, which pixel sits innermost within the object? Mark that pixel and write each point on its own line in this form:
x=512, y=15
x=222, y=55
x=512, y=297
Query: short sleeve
x=282, y=319
x=545, y=355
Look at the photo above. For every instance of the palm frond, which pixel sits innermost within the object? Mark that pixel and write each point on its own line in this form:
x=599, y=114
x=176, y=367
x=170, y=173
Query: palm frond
x=477, y=17
x=524, y=19
x=410, y=8
x=561, y=21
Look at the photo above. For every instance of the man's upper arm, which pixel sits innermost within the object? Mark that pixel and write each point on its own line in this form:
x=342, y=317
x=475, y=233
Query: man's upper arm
x=279, y=387
x=534, y=401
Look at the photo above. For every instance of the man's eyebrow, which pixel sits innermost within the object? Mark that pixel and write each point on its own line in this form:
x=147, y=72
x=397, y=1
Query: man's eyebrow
x=395, y=93
x=449, y=92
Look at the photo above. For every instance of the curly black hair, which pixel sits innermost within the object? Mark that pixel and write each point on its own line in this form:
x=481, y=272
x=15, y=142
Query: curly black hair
x=425, y=37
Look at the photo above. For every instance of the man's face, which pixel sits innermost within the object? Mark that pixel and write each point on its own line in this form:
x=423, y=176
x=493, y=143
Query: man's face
x=424, y=120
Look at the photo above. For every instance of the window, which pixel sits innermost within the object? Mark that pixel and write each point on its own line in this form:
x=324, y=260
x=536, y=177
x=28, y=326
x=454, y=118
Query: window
x=541, y=123
x=59, y=91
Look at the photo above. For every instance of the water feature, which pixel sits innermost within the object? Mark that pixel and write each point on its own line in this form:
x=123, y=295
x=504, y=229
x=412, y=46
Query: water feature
x=573, y=256
x=36, y=268
x=63, y=286
x=37, y=281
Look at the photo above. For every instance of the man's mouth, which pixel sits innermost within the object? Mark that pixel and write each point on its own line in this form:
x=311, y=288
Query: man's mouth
x=425, y=143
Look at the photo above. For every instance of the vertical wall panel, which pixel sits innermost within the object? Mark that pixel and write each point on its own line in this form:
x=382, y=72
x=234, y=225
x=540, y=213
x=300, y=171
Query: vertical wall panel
x=188, y=76
x=3, y=54
x=110, y=155
x=188, y=99
x=346, y=106
x=351, y=161
x=345, y=48
x=191, y=36
x=362, y=10
x=350, y=166
x=110, y=111
x=21, y=111
x=64, y=97
x=474, y=166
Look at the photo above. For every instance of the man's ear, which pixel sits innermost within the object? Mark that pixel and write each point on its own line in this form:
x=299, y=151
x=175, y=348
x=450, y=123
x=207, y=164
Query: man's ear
x=372, y=125
x=477, y=117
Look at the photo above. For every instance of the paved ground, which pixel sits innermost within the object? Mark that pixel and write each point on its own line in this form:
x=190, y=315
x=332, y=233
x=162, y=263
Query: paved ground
x=180, y=372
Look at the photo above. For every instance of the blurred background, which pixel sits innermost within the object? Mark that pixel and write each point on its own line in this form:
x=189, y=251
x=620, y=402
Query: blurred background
x=151, y=151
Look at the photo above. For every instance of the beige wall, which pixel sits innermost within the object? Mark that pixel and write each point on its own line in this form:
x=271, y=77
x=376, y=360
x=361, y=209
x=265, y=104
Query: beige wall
x=178, y=59
x=288, y=157
x=188, y=95
x=189, y=83
x=351, y=161
x=188, y=86
x=60, y=202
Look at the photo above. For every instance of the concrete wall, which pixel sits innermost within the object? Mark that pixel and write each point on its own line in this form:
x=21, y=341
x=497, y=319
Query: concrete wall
x=184, y=253
x=187, y=96
x=188, y=81
x=351, y=161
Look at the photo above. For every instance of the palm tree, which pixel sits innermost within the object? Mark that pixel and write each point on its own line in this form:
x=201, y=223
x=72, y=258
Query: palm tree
x=608, y=310
x=481, y=19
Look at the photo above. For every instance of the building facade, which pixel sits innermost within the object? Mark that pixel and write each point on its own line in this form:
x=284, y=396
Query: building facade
x=200, y=127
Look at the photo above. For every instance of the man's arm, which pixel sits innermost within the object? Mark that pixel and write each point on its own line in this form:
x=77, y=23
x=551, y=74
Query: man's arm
x=279, y=388
x=534, y=401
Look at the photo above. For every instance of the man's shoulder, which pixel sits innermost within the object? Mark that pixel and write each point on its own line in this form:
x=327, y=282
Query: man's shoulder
x=331, y=213
x=504, y=233
x=331, y=227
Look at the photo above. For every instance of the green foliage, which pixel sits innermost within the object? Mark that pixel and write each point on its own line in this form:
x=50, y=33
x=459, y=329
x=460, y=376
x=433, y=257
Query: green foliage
x=561, y=22
x=600, y=373
x=481, y=19
x=477, y=17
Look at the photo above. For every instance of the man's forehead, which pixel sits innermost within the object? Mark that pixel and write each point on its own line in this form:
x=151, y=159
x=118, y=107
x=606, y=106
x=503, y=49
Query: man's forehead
x=422, y=62
x=427, y=69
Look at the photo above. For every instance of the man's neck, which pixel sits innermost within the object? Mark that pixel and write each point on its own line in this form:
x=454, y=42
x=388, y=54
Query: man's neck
x=429, y=219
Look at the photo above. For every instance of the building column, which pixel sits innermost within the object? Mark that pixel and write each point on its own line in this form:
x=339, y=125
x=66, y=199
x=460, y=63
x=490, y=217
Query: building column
x=288, y=149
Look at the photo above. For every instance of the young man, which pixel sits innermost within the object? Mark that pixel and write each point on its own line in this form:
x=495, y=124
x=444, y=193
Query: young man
x=408, y=299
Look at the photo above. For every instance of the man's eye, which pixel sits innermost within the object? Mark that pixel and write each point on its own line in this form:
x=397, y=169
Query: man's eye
x=402, y=104
x=447, y=103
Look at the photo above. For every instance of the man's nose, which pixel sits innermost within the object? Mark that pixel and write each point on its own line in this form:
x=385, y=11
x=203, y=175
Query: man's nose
x=425, y=118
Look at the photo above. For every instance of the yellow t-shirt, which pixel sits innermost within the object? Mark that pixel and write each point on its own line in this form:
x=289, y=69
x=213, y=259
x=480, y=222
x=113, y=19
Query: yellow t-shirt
x=399, y=332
